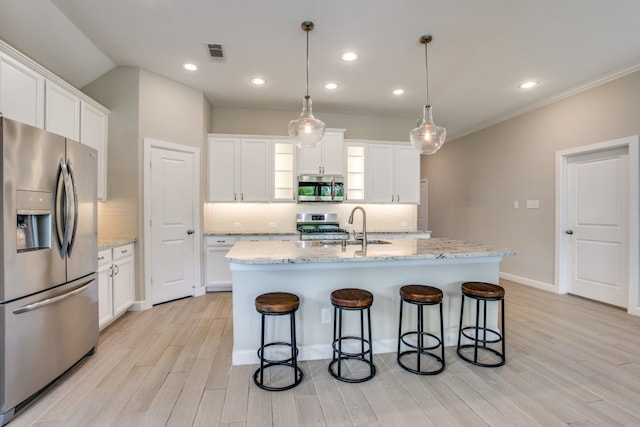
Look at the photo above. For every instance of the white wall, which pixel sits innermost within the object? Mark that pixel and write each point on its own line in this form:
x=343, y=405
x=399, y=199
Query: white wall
x=474, y=180
x=143, y=105
x=118, y=90
x=273, y=122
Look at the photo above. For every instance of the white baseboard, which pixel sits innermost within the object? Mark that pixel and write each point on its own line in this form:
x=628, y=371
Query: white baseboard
x=140, y=305
x=529, y=282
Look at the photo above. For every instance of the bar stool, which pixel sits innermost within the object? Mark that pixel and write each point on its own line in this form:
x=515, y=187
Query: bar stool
x=421, y=296
x=482, y=292
x=351, y=300
x=278, y=304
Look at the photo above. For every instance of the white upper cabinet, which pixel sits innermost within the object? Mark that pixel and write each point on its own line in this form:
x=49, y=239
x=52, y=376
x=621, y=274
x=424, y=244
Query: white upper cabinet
x=327, y=158
x=394, y=174
x=407, y=161
x=222, y=164
x=94, y=125
x=31, y=94
x=62, y=112
x=239, y=169
x=21, y=92
x=254, y=170
x=356, y=171
x=284, y=175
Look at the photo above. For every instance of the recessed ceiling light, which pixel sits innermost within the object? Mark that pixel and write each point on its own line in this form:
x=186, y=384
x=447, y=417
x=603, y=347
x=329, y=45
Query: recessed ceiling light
x=258, y=81
x=528, y=85
x=190, y=67
x=349, y=56
x=398, y=92
x=331, y=86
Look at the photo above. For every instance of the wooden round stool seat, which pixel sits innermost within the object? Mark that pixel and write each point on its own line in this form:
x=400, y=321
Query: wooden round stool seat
x=277, y=302
x=482, y=290
x=421, y=294
x=351, y=298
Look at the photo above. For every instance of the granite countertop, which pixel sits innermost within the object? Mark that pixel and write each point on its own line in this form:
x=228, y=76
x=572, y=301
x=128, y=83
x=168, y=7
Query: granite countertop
x=276, y=252
x=104, y=244
x=249, y=233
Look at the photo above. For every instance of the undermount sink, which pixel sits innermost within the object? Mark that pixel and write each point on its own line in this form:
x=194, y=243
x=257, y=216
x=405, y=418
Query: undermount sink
x=369, y=242
x=327, y=243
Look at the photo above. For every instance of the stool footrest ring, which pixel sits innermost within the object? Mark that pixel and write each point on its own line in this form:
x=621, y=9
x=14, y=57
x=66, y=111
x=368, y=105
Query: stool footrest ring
x=372, y=369
x=298, y=373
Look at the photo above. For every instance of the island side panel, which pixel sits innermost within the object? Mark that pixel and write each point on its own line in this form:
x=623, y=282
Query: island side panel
x=314, y=282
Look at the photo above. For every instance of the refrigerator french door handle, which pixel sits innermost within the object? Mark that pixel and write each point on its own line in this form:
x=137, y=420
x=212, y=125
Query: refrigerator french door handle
x=62, y=212
x=73, y=218
x=39, y=304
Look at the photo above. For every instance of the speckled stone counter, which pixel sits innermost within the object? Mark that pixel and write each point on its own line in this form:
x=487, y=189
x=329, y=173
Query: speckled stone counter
x=104, y=244
x=313, y=272
x=276, y=252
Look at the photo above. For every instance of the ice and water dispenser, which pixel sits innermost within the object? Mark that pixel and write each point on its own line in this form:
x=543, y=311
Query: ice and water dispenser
x=33, y=211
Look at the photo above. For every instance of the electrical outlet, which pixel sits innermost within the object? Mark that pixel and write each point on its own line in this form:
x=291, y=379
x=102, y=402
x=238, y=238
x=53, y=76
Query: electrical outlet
x=237, y=224
x=516, y=204
x=404, y=224
x=325, y=314
x=273, y=225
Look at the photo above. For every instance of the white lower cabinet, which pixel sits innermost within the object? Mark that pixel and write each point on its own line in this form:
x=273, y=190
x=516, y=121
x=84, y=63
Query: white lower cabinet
x=116, y=282
x=217, y=273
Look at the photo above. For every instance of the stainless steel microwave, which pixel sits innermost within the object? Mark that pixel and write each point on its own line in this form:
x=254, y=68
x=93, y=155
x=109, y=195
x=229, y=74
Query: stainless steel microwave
x=320, y=188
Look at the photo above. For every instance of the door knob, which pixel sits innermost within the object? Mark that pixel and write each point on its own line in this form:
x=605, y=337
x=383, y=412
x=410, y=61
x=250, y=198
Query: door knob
x=189, y=231
x=569, y=232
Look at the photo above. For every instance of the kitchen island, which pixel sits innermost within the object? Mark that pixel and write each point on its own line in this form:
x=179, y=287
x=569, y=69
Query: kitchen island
x=313, y=270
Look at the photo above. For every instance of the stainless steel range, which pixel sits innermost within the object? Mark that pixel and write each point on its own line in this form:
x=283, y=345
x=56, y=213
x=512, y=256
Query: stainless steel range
x=320, y=226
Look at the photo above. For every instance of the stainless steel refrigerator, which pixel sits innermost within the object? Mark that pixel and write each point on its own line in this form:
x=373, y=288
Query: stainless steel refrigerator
x=48, y=284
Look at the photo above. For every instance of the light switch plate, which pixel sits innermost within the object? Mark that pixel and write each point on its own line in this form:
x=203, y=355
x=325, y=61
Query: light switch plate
x=516, y=204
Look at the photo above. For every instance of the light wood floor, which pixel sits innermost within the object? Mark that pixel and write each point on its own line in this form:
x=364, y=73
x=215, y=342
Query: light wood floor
x=570, y=361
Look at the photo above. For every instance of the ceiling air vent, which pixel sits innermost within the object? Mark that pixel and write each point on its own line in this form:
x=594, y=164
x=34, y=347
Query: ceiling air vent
x=215, y=50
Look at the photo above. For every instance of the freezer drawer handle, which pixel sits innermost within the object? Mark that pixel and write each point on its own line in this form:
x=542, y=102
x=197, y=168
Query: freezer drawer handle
x=49, y=301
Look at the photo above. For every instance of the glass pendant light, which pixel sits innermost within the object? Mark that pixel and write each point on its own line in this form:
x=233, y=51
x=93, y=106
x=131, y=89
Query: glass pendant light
x=428, y=137
x=306, y=131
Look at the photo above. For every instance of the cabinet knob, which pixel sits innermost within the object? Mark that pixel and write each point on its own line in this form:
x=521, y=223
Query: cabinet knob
x=569, y=232
x=189, y=231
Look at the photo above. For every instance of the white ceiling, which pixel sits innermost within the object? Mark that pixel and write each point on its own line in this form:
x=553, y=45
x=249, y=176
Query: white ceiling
x=481, y=50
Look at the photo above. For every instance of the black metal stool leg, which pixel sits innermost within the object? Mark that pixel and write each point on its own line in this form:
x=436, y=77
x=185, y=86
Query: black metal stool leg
x=372, y=367
x=262, y=351
x=442, y=333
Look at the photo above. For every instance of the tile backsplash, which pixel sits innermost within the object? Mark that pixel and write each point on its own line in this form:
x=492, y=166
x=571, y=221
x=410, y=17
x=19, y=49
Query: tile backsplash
x=281, y=217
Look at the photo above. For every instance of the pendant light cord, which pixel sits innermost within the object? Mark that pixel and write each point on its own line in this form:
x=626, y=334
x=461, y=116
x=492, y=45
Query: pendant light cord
x=426, y=69
x=307, y=30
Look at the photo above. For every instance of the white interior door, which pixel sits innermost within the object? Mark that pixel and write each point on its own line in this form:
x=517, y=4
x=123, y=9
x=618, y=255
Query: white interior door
x=598, y=226
x=172, y=224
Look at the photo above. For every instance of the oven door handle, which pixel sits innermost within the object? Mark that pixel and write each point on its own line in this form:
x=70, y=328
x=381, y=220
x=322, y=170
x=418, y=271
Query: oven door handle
x=49, y=301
